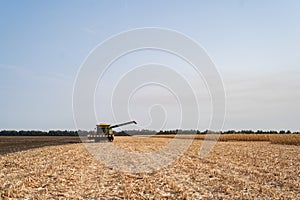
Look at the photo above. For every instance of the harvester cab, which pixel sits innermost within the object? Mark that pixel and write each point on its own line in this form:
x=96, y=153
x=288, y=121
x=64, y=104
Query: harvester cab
x=105, y=132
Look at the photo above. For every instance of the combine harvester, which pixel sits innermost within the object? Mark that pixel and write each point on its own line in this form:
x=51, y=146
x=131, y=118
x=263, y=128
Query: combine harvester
x=105, y=132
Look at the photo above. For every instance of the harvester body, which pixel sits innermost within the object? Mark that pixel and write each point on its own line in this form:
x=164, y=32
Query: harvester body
x=105, y=133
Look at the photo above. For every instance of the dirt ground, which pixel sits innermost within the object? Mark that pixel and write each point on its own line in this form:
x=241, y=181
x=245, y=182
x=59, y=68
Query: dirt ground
x=9, y=144
x=233, y=170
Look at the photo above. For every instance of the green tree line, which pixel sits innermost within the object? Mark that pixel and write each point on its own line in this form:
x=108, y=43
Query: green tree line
x=133, y=132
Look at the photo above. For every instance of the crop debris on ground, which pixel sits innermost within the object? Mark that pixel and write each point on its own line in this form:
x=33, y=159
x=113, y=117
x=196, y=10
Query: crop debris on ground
x=232, y=170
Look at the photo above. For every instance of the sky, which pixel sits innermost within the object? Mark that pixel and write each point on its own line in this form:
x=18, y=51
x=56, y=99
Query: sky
x=254, y=45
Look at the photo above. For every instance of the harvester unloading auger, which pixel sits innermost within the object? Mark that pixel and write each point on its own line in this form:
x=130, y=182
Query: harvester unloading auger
x=105, y=132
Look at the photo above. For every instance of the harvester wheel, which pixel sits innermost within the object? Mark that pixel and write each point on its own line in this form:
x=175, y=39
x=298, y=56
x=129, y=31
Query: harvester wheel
x=110, y=138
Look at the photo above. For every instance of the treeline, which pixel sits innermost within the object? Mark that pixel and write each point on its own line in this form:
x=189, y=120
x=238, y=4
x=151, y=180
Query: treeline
x=38, y=133
x=152, y=132
x=134, y=132
x=257, y=132
x=189, y=132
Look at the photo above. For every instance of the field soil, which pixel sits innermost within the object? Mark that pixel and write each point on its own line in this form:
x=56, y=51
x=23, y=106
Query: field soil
x=9, y=144
x=232, y=170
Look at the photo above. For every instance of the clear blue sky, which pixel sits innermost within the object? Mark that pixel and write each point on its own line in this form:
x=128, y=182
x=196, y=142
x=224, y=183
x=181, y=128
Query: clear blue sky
x=254, y=44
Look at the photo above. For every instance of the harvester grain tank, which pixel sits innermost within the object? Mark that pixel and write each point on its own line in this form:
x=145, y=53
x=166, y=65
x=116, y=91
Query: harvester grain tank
x=105, y=133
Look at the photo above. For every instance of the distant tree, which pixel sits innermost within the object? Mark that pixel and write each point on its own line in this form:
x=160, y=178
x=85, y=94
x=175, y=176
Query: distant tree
x=282, y=132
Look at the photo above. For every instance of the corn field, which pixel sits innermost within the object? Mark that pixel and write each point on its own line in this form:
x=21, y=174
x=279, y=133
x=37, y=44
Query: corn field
x=234, y=169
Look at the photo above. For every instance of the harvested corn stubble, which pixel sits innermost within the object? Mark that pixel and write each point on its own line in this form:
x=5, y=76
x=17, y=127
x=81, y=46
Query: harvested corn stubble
x=232, y=170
